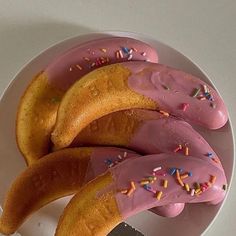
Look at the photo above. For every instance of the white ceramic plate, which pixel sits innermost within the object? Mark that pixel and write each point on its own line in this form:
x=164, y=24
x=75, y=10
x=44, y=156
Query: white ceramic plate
x=195, y=219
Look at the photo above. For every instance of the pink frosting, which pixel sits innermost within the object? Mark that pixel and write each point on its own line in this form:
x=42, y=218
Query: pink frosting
x=141, y=167
x=78, y=61
x=100, y=157
x=99, y=164
x=173, y=90
x=153, y=136
x=170, y=210
x=165, y=134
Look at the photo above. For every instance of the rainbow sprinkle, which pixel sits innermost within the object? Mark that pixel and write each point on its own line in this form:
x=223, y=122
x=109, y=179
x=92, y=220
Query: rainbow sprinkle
x=196, y=92
x=178, y=148
x=192, y=192
x=132, y=189
x=125, y=50
x=209, y=154
x=130, y=192
x=164, y=113
x=212, y=179
x=216, y=160
x=172, y=171
x=79, y=67
x=86, y=59
x=143, y=54
x=159, y=195
x=103, y=50
x=165, y=183
x=121, y=54
x=144, y=182
x=213, y=105
x=124, y=191
x=130, y=57
x=186, y=151
x=184, y=176
x=187, y=188
x=149, y=188
x=185, y=106
x=157, y=168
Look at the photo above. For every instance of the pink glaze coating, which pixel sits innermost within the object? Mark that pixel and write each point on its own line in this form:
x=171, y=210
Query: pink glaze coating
x=170, y=210
x=164, y=135
x=99, y=164
x=141, y=167
x=80, y=60
x=173, y=90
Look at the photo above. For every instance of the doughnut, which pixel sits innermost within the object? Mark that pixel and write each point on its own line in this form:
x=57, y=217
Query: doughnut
x=136, y=85
x=38, y=106
x=119, y=193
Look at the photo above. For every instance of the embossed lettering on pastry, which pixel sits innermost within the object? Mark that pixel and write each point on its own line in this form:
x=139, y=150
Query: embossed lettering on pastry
x=38, y=106
x=100, y=205
x=56, y=175
x=136, y=85
x=142, y=130
x=148, y=132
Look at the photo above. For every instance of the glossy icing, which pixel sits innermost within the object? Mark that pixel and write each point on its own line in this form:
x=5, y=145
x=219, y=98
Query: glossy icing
x=174, y=89
x=80, y=60
x=170, y=210
x=163, y=135
x=142, y=199
x=99, y=163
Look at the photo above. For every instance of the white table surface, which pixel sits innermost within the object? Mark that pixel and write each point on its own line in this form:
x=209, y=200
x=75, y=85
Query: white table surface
x=203, y=30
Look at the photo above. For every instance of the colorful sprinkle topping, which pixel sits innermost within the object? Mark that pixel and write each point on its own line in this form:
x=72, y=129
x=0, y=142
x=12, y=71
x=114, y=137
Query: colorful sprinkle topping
x=164, y=113
x=165, y=183
x=172, y=171
x=184, y=176
x=187, y=188
x=79, y=67
x=157, y=169
x=186, y=151
x=213, y=105
x=143, y=54
x=196, y=92
x=178, y=148
x=212, y=179
x=185, y=106
x=209, y=154
x=125, y=50
x=159, y=195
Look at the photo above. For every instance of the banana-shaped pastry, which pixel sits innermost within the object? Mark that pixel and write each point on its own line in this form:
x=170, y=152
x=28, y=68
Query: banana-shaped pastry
x=142, y=130
x=136, y=85
x=56, y=175
x=121, y=192
x=38, y=106
x=147, y=132
x=61, y=174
